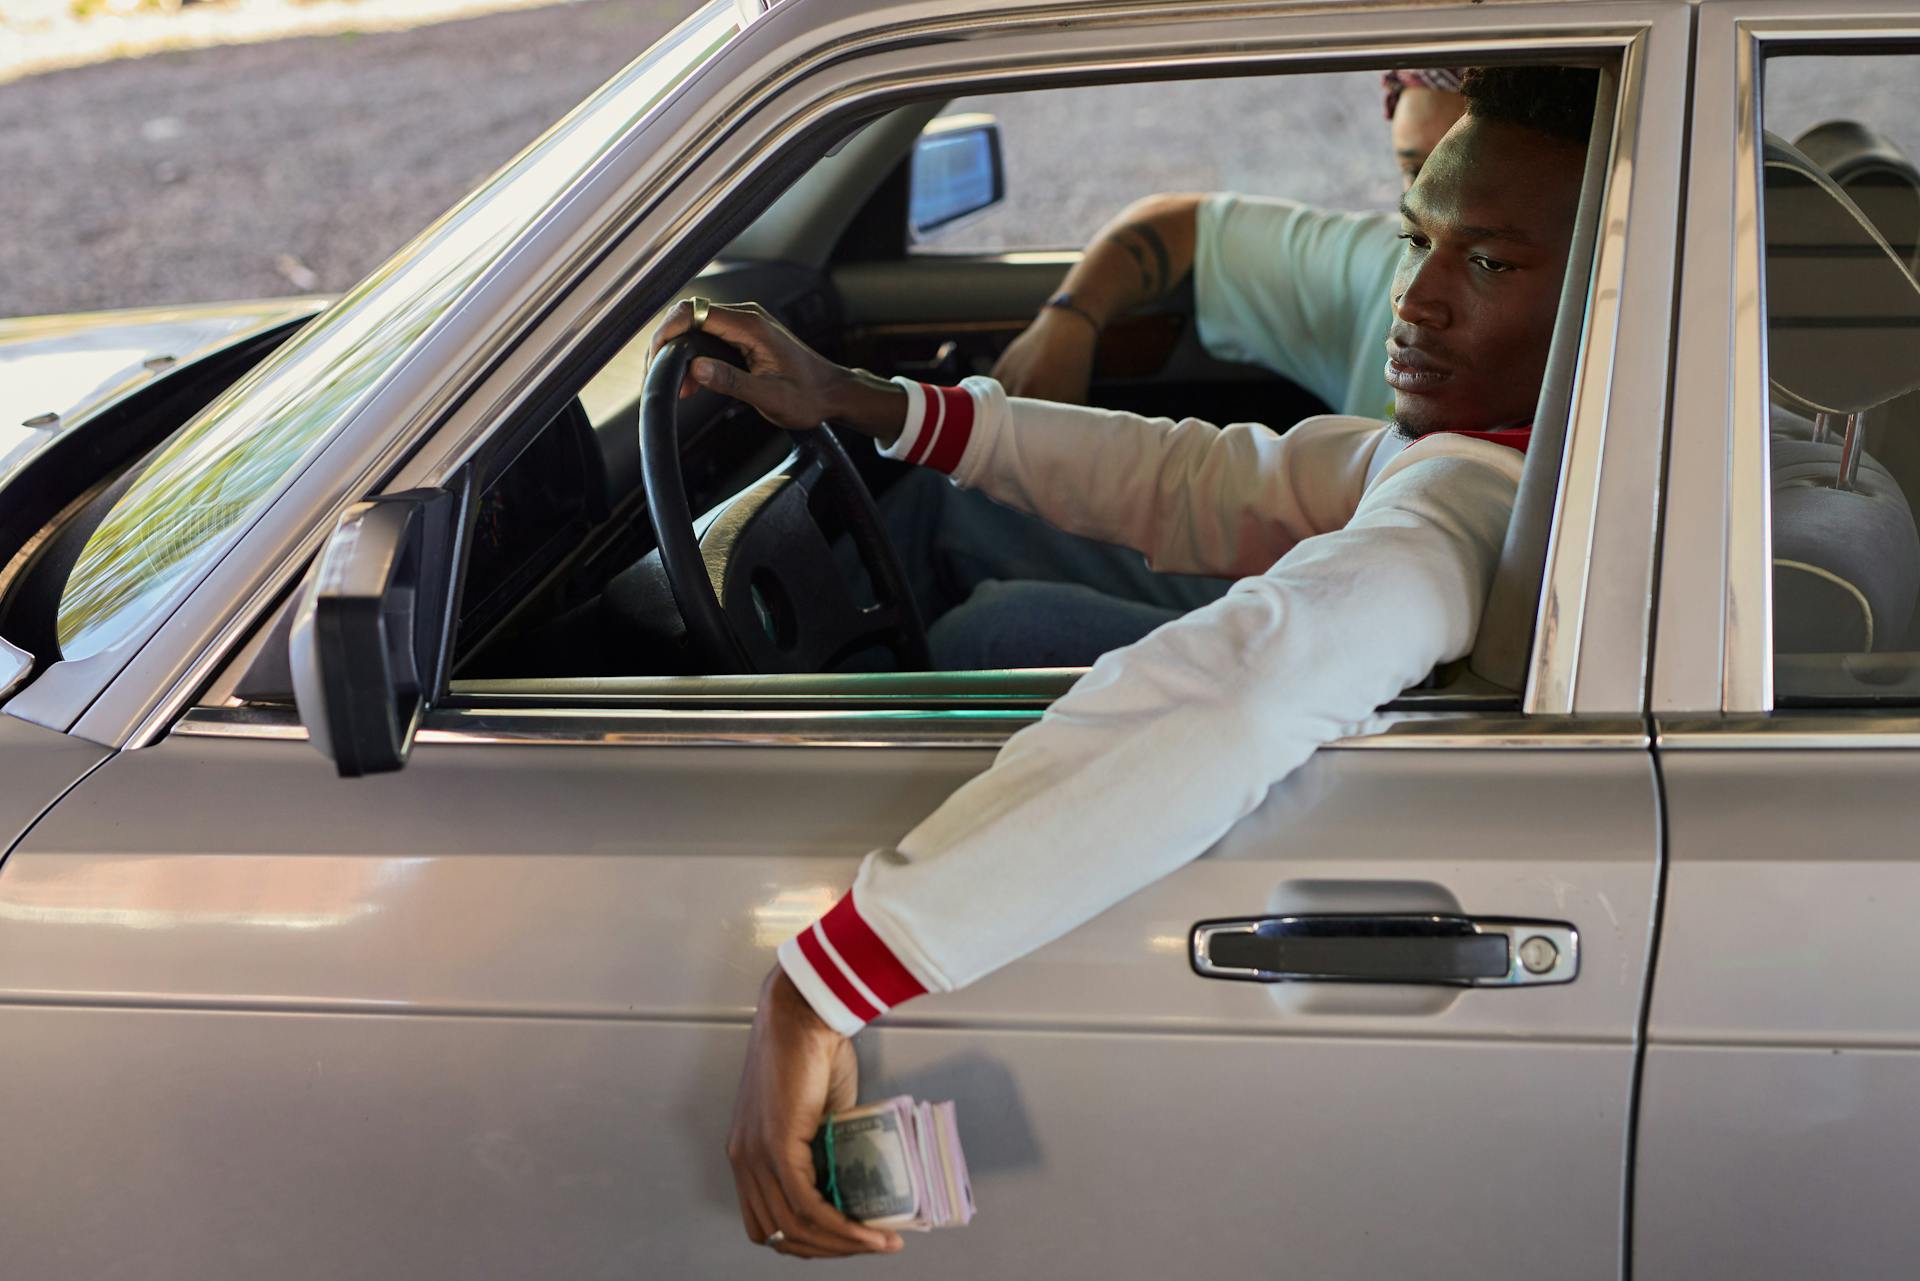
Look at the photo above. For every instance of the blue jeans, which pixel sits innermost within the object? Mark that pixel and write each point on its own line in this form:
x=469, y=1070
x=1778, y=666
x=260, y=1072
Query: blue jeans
x=1024, y=623
x=1000, y=588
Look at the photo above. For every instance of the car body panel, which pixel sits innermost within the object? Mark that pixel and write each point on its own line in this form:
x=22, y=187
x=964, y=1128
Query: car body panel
x=551, y=903
x=661, y=927
x=1782, y=1069
x=476, y=1148
x=38, y=766
x=1781, y=1103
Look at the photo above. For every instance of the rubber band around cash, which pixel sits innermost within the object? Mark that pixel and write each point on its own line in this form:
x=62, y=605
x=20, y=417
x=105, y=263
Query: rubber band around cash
x=833, y=1170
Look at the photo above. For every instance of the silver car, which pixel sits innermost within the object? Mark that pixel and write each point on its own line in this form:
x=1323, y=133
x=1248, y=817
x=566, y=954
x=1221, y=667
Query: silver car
x=464, y=995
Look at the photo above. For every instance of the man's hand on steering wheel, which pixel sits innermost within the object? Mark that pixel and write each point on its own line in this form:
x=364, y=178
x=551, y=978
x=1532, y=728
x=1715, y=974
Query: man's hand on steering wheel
x=789, y=383
x=763, y=590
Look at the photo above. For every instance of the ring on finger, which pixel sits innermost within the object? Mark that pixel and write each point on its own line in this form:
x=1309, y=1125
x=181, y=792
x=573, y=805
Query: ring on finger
x=777, y=1236
x=700, y=308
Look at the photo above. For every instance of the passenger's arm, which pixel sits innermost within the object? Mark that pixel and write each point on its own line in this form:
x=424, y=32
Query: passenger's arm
x=1138, y=258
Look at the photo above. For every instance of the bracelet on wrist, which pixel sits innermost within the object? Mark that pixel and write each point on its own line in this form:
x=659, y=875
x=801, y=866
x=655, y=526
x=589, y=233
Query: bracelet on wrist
x=1063, y=301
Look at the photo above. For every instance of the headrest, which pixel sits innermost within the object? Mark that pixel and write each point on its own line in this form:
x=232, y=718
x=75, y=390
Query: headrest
x=1846, y=562
x=1843, y=313
x=1876, y=175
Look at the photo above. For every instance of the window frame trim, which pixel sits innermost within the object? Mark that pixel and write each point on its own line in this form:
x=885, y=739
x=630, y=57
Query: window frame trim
x=873, y=728
x=1745, y=33
x=1621, y=31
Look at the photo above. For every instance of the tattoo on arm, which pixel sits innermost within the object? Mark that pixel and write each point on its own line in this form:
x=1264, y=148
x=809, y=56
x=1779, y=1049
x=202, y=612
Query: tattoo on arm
x=1142, y=242
x=1139, y=257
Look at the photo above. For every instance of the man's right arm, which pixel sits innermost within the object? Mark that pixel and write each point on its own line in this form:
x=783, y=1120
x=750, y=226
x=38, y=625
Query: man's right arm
x=1138, y=258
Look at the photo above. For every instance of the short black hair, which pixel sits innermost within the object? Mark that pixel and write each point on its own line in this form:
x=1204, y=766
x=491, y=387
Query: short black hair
x=1556, y=101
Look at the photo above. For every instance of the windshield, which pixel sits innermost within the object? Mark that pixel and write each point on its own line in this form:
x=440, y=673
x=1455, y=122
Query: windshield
x=220, y=471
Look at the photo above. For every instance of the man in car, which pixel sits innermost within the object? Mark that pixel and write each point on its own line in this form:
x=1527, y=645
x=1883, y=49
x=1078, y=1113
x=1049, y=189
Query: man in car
x=1370, y=548
x=1299, y=290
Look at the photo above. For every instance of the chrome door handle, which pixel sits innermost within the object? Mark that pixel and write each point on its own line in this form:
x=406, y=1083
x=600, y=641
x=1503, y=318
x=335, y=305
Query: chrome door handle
x=1460, y=951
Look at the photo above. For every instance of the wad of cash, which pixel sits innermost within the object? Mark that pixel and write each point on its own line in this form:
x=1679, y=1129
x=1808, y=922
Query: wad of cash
x=895, y=1164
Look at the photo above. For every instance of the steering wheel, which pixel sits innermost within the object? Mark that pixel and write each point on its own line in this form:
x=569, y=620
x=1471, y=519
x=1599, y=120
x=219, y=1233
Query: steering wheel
x=756, y=580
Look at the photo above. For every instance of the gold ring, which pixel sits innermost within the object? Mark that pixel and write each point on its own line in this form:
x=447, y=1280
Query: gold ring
x=700, y=306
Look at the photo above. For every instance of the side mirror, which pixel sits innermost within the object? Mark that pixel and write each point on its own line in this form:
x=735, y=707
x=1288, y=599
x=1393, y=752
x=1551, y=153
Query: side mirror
x=957, y=171
x=368, y=635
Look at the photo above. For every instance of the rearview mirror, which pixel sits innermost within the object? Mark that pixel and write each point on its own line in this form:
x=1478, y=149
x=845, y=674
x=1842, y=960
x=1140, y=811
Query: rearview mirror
x=367, y=638
x=957, y=171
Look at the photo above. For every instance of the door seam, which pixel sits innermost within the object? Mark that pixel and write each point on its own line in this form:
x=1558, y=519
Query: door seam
x=47, y=809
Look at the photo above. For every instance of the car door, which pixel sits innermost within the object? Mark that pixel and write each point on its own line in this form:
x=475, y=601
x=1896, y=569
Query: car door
x=482, y=1017
x=1778, y=1113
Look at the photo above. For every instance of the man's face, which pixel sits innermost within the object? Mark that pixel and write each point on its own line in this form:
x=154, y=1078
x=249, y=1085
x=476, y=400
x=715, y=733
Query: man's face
x=1474, y=300
x=1421, y=119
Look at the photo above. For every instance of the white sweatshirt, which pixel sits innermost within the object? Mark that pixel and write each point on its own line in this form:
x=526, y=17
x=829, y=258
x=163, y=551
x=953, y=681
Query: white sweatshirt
x=1364, y=561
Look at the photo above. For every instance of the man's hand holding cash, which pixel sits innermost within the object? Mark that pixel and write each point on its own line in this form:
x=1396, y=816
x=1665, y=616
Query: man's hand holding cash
x=810, y=1166
x=798, y=1069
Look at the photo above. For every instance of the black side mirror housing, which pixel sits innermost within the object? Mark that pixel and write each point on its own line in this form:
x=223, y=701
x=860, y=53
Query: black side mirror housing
x=368, y=640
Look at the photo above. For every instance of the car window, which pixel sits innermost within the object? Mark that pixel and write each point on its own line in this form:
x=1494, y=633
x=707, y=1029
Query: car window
x=605, y=607
x=1840, y=195
x=1074, y=157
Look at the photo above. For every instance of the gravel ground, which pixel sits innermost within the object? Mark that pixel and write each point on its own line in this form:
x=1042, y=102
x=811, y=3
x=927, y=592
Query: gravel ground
x=299, y=165
x=260, y=170
x=1074, y=157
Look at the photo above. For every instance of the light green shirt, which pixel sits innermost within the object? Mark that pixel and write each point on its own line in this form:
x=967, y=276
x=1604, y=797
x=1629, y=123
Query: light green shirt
x=1306, y=292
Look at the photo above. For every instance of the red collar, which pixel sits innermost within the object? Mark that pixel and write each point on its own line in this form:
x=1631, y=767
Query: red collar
x=1512, y=437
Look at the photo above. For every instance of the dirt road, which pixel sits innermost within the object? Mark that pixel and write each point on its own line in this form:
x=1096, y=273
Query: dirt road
x=298, y=166
x=279, y=168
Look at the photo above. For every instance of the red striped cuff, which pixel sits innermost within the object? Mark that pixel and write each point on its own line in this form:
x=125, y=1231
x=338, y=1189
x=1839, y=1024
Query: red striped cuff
x=939, y=425
x=843, y=969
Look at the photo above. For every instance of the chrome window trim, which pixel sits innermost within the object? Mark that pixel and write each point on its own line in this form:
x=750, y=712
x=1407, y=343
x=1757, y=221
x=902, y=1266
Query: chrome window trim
x=1560, y=612
x=981, y=729
x=1747, y=681
x=1845, y=729
x=600, y=266
x=1747, y=669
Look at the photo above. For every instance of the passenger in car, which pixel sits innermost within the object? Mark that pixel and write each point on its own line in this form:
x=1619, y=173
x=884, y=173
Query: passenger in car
x=1296, y=289
x=1370, y=548
x=1299, y=290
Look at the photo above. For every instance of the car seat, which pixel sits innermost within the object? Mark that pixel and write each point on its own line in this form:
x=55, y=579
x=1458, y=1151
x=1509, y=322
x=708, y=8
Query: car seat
x=1843, y=318
x=1879, y=178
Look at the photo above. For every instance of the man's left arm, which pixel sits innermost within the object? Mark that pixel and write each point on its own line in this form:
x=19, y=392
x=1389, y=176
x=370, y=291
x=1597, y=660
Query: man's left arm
x=1158, y=751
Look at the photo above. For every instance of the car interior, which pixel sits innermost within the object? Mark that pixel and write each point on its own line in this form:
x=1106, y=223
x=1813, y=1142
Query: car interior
x=1841, y=222
x=568, y=593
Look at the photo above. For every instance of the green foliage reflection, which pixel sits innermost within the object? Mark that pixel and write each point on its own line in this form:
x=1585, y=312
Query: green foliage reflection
x=223, y=469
